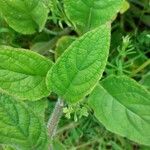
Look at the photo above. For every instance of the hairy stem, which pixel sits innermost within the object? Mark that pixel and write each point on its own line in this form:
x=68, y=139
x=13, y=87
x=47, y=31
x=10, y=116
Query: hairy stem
x=55, y=117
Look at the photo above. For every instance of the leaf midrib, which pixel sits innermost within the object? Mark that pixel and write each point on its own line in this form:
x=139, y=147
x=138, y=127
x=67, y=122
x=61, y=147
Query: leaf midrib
x=23, y=73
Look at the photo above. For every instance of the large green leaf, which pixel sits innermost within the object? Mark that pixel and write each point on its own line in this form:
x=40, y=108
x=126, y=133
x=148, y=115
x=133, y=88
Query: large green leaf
x=20, y=127
x=38, y=107
x=22, y=73
x=24, y=16
x=80, y=67
x=88, y=14
x=123, y=107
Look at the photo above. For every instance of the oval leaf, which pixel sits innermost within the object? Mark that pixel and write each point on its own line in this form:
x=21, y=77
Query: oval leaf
x=24, y=16
x=123, y=107
x=20, y=127
x=62, y=44
x=22, y=73
x=88, y=14
x=80, y=67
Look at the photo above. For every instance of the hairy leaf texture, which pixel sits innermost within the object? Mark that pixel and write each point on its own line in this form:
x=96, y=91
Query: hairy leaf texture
x=23, y=73
x=20, y=127
x=80, y=67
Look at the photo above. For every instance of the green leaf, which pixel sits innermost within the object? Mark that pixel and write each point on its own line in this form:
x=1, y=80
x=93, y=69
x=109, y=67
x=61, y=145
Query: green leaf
x=80, y=67
x=22, y=73
x=57, y=145
x=144, y=147
x=38, y=107
x=125, y=6
x=145, y=81
x=7, y=148
x=62, y=44
x=24, y=16
x=20, y=127
x=89, y=14
x=123, y=107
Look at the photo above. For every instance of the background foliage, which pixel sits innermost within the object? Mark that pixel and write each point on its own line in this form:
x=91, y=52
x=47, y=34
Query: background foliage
x=129, y=55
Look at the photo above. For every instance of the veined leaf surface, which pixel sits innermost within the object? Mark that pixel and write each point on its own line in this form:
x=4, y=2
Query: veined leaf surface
x=80, y=67
x=20, y=127
x=123, y=107
x=24, y=16
x=89, y=14
x=38, y=107
x=22, y=73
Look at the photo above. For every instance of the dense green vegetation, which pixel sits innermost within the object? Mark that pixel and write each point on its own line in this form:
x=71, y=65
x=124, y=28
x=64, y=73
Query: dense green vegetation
x=74, y=75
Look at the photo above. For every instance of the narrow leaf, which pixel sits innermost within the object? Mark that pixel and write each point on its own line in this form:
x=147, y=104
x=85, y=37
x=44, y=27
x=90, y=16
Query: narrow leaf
x=24, y=16
x=22, y=73
x=20, y=127
x=89, y=14
x=81, y=66
x=123, y=107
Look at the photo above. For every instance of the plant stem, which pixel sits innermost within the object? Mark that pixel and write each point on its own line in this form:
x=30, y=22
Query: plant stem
x=147, y=63
x=65, y=31
x=55, y=117
x=67, y=127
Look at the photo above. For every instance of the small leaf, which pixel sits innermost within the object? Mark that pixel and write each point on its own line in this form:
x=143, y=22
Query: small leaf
x=20, y=127
x=123, y=107
x=22, y=73
x=62, y=44
x=24, y=16
x=125, y=6
x=81, y=66
x=57, y=145
x=89, y=14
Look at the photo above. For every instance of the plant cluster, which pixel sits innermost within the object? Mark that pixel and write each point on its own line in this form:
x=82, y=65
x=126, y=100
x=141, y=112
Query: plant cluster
x=78, y=53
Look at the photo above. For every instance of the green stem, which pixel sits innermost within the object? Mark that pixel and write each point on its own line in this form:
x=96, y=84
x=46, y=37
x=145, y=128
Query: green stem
x=144, y=65
x=60, y=33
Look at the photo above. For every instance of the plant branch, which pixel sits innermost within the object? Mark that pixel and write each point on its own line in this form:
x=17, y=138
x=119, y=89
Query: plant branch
x=67, y=127
x=65, y=31
x=55, y=117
